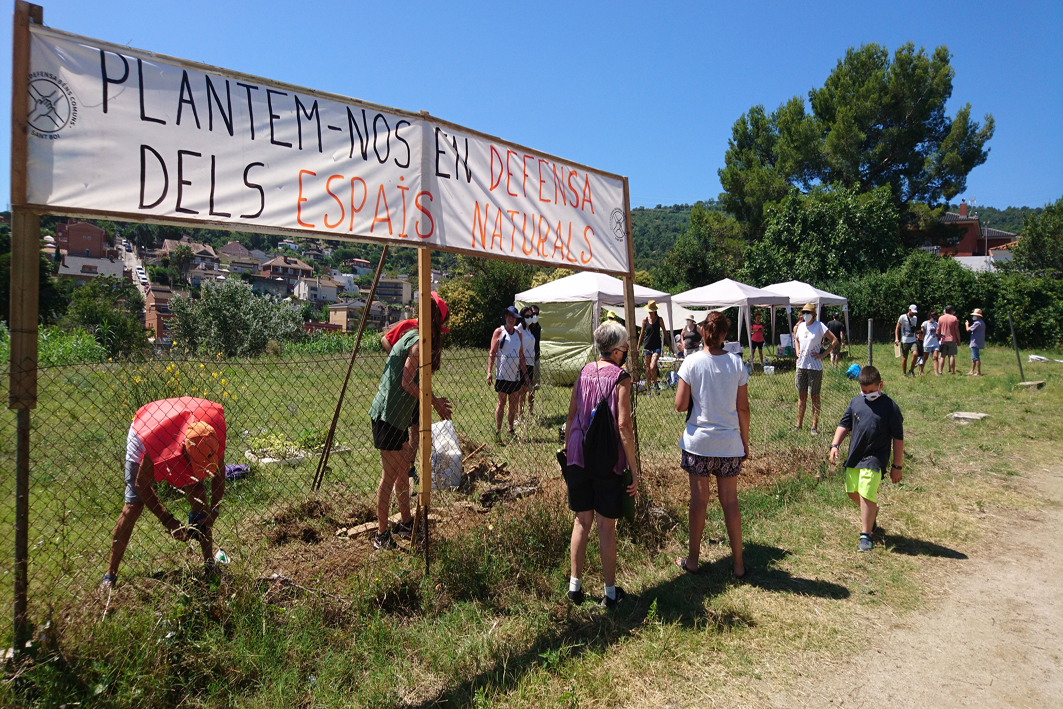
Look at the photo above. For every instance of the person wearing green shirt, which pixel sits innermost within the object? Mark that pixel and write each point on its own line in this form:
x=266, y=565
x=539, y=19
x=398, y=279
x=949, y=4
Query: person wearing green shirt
x=395, y=418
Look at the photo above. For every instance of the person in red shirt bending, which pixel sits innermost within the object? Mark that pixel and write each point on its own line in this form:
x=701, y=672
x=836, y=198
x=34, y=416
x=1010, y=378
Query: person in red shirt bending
x=180, y=441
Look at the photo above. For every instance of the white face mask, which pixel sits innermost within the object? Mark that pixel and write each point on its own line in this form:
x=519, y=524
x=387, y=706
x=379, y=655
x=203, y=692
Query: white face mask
x=873, y=395
x=807, y=317
x=534, y=319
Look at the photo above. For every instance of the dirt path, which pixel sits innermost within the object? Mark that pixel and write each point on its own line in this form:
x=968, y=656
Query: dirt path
x=994, y=639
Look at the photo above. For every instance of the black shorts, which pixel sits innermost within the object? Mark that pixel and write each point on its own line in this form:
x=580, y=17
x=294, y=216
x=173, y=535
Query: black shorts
x=388, y=438
x=504, y=386
x=586, y=492
x=757, y=346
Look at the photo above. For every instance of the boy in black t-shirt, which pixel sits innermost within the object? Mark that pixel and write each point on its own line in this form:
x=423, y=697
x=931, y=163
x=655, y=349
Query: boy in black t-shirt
x=876, y=423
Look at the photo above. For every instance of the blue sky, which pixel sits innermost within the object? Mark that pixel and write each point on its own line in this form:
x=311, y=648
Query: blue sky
x=647, y=90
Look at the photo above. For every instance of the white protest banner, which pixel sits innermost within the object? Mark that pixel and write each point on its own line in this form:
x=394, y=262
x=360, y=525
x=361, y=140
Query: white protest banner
x=125, y=134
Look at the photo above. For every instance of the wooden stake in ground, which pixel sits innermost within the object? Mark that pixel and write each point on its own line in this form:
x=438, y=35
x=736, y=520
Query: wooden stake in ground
x=424, y=326
x=322, y=463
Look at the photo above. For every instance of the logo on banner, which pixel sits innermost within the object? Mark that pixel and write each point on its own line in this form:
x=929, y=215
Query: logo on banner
x=619, y=228
x=53, y=106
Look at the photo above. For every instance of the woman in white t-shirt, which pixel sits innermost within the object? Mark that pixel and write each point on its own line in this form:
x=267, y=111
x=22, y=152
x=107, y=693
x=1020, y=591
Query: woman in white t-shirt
x=712, y=388
x=809, y=336
x=931, y=344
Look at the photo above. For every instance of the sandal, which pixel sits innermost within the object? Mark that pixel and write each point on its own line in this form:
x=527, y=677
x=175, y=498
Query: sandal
x=682, y=563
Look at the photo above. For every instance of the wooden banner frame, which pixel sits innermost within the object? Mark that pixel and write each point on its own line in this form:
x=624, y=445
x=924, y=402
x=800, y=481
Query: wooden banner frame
x=25, y=269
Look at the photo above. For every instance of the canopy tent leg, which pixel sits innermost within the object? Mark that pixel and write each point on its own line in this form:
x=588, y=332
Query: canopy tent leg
x=848, y=337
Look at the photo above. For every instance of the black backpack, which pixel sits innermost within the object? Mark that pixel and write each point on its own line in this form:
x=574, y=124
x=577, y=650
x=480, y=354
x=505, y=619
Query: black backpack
x=600, y=438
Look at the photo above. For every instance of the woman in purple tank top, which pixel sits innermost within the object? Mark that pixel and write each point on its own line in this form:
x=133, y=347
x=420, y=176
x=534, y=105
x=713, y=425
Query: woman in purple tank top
x=589, y=494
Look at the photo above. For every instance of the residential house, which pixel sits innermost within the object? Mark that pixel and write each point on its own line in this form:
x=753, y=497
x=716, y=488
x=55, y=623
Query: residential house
x=83, y=239
x=259, y=255
x=234, y=249
x=157, y=313
x=347, y=315
x=346, y=282
x=265, y=284
x=288, y=244
x=203, y=256
x=394, y=290
x=313, y=254
x=289, y=268
x=974, y=238
x=82, y=269
x=360, y=266
x=197, y=276
x=316, y=290
x=242, y=265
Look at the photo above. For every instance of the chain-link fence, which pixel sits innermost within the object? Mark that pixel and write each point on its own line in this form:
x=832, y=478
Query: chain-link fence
x=278, y=410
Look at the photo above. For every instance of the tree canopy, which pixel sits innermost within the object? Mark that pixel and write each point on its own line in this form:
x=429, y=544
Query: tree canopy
x=825, y=235
x=1040, y=249
x=711, y=248
x=876, y=122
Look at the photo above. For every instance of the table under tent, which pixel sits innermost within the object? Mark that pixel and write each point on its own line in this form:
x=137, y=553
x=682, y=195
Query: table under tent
x=729, y=293
x=800, y=293
x=569, y=312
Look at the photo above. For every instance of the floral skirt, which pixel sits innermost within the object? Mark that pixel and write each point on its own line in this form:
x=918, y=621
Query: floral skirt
x=704, y=466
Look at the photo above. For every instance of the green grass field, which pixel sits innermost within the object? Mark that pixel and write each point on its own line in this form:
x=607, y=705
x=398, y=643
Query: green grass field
x=489, y=625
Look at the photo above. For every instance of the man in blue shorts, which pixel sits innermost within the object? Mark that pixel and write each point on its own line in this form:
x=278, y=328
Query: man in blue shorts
x=876, y=423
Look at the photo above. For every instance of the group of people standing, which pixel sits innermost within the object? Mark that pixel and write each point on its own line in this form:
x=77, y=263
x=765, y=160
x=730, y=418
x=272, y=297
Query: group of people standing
x=937, y=338
x=513, y=365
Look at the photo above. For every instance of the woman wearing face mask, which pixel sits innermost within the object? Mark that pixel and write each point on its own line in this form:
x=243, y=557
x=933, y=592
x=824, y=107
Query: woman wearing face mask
x=527, y=343
x=808, y=339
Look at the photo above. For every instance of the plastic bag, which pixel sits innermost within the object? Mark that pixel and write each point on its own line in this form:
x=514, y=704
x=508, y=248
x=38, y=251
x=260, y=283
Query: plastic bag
x=446, y=456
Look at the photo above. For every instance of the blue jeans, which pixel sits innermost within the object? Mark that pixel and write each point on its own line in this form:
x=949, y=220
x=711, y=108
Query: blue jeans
x=974, y=354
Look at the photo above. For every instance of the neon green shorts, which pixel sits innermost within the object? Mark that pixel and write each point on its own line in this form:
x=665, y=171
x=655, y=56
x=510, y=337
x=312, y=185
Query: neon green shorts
x=863, y=480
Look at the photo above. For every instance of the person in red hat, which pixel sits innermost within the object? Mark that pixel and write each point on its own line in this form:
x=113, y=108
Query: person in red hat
x=391, y=336
x=180, y=441
x=395, y=418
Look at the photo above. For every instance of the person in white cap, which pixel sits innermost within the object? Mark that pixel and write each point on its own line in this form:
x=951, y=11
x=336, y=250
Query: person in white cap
x=691, y=337
x=906, y=333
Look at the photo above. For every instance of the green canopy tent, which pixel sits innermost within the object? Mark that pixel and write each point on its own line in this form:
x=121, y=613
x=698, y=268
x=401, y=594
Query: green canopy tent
x=570, y=310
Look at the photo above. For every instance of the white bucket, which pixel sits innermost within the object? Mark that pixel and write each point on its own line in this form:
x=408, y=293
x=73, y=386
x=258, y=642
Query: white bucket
x=769, y=369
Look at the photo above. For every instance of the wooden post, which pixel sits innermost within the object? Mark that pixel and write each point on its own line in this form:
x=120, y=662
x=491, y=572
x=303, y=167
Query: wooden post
x=22, y=318
x=870, y=338
x=633, y=359
x=1015, y=344
x=424, y=326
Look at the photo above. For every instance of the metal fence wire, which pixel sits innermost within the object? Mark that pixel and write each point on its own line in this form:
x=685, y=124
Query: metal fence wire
x=278, y=410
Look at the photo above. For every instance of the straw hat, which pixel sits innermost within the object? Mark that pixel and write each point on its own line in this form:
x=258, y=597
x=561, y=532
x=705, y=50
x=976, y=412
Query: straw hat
x=201, y=448
x=978, y=313
x=652, y=305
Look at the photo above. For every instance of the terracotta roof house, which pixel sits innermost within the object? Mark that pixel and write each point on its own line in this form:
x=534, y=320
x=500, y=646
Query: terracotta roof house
x=236, y=250
x=289, y=268
x=975, y=240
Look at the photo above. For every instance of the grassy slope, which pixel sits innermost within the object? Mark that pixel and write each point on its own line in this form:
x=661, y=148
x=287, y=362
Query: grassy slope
x=491, y=627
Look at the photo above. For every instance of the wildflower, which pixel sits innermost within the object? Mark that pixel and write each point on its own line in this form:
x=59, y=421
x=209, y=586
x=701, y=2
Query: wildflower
x=223, y=382
x=201, y=365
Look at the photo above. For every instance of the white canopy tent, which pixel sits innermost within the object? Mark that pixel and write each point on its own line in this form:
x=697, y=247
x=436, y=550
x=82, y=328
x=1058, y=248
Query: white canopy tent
x=568, y=336
x=800, y=293
x=597, y=288
x=732, y=294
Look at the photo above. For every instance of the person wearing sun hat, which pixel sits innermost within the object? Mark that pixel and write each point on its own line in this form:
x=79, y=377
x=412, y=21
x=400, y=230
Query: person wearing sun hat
x=652, y=343
x=180, y=441
x=976, y=326
x=809, y=336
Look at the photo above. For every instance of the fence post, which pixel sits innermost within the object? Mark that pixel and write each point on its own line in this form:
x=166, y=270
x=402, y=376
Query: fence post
x=424, y=325
x=870, y=338
x=25, y=277
x=1015, y=344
